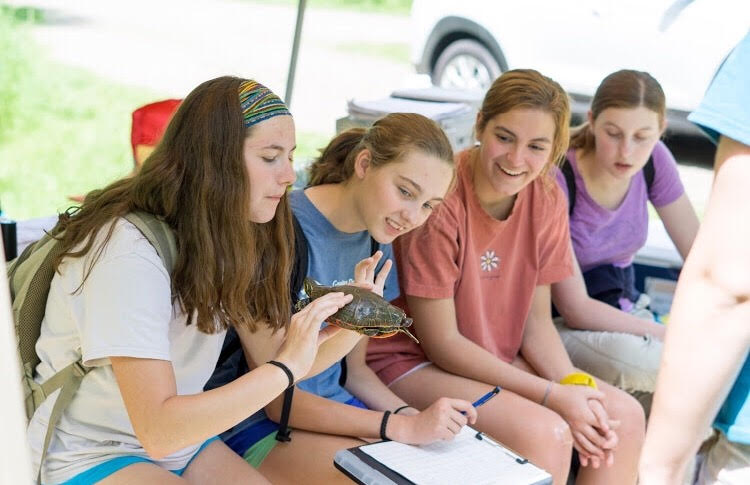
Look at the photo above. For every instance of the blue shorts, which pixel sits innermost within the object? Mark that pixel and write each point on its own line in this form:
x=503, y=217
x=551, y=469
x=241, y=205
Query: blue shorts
x=103, y=470
x=244, y=440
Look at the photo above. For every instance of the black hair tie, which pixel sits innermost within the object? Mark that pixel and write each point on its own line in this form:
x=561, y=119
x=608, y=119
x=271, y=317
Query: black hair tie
x=286, y=370
x=383, y=425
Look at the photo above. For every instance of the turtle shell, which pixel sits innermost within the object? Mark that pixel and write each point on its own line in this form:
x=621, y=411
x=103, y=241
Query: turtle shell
x=367, y=313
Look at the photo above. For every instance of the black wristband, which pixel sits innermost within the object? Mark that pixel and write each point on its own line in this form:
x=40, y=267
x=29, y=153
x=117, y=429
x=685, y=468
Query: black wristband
x=383, y=425
x=285, y=369
x=401, y=408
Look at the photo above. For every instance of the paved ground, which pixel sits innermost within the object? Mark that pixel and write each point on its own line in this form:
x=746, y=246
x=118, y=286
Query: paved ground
x=173, y=45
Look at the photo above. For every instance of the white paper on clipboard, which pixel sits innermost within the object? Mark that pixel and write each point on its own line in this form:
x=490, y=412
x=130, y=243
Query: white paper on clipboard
x=465, y=459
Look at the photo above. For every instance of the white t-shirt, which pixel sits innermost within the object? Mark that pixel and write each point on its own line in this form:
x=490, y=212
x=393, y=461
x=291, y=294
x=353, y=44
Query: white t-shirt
x=124, y=309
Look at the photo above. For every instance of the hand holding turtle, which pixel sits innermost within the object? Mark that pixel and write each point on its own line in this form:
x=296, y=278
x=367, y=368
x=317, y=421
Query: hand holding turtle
x=443, y=420
x=303, y=335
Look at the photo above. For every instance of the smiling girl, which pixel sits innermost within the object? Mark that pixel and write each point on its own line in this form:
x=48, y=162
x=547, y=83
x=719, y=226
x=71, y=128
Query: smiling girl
x=477, y=282
x=375, y=184
x=615, y=166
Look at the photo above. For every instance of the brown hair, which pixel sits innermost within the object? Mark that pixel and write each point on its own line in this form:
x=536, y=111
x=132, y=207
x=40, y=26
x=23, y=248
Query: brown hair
x=527, y=88
x=388, y=140
x=229, y=271
x=621, y=89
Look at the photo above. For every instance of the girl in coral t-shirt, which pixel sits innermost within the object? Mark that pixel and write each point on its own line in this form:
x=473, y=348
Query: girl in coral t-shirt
x=476, y=279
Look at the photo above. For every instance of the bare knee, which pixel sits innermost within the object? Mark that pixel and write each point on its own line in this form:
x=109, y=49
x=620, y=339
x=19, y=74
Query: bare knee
x=626, y=409
x=560, y=435
x=551, y=435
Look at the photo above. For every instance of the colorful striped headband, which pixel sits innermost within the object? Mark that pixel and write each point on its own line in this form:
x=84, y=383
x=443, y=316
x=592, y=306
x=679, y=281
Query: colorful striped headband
x=259, y=103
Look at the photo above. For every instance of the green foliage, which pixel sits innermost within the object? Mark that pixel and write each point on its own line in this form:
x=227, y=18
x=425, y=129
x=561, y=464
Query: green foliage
x=65, y=131
x=62, y=130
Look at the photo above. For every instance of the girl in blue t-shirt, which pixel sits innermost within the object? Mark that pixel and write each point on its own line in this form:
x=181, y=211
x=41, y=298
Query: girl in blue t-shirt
x=367, y=188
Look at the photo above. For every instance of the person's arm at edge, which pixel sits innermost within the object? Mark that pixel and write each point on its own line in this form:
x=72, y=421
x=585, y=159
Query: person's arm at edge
x=712, y=306
x=581, y=312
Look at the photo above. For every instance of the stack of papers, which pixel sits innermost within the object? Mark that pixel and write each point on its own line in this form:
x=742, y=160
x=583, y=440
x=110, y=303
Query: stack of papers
x=437, y=111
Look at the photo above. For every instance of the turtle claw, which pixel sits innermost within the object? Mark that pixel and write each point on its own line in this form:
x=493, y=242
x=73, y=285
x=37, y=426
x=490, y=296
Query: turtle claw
x=409, y=334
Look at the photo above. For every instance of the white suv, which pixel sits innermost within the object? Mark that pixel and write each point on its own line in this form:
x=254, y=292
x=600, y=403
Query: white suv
x=465, y=44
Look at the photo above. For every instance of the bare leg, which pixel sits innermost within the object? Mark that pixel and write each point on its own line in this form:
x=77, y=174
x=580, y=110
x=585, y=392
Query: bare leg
x=308, y=458
x=143, y=473
x=217, y=464
x=532, y=430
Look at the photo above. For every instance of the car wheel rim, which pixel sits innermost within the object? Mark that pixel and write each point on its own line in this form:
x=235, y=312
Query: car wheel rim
x=465, y=72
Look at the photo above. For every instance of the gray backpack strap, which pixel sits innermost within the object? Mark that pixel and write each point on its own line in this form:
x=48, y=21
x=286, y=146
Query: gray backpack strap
x=159, y=234
x=68, y=381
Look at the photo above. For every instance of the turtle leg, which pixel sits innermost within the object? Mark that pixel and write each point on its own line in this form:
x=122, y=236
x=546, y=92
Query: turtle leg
x=302, y=303
x=409, y=334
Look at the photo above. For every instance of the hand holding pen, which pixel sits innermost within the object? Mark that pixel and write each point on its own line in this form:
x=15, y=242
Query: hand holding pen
x=442, y=420
x=494, y=392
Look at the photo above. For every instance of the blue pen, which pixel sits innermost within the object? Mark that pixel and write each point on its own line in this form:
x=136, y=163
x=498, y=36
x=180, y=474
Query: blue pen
x=486, y=397
x=494, y=392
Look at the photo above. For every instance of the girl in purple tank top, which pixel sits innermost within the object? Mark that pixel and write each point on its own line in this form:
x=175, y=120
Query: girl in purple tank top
x=615, y=165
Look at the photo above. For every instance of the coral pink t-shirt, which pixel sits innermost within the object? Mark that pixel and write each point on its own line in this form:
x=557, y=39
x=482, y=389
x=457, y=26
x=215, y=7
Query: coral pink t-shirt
x=490, y=268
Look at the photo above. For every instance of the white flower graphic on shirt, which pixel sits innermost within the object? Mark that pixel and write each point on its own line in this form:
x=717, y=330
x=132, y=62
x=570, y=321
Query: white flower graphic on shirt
x=489, y=261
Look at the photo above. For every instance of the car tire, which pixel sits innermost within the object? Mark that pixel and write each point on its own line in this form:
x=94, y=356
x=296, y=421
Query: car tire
x=465, y=64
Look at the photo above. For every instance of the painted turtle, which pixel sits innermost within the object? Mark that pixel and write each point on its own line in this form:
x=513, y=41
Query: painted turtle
x=367, y=313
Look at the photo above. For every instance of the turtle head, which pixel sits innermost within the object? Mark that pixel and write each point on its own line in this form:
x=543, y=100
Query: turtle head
x=308, y=286
x=406, y=322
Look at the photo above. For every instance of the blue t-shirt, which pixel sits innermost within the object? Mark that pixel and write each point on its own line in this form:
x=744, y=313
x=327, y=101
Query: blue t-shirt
x=725, y=110
x=332, y=255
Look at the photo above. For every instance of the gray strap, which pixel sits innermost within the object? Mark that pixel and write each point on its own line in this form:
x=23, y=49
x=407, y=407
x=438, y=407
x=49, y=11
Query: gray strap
x=153, y=229
x=69, y=380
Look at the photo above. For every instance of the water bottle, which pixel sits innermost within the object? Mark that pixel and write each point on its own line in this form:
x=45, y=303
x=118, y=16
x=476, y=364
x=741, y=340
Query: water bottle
x=10, y=243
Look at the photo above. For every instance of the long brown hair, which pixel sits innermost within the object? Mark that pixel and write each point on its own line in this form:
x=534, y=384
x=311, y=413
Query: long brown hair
x=622, y=89
x=527, y=88
x=388, y=140
x=229, y=271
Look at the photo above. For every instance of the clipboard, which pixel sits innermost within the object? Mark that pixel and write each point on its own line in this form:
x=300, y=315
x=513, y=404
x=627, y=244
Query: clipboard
x=471, y=453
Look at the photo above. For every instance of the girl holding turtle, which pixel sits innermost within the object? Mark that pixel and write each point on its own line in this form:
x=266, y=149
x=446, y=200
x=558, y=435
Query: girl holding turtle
x=367, y=188
x=476, y=280
x=150, y=338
